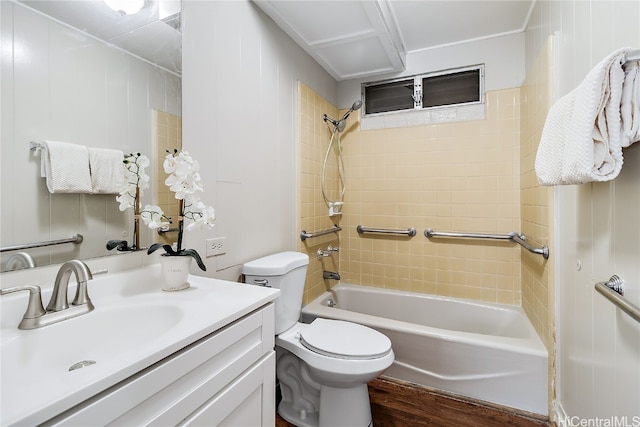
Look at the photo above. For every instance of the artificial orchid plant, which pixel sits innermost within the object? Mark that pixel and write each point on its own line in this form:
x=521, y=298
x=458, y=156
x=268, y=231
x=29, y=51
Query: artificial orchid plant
x=185, y=181
x=131, y=185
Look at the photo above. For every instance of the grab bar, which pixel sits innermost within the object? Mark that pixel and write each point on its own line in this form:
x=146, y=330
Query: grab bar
x=75, y=239
x=304, y=235
x=520, y=239
x=614, y=292
x=430, y=233
x=162, y=231
x=513, y=236
x=408, y=232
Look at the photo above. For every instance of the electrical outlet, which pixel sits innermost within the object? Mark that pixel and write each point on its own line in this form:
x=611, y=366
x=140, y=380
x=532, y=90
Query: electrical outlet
x=216, y=246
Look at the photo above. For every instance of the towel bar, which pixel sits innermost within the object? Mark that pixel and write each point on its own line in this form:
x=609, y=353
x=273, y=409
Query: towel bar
x=614, y=292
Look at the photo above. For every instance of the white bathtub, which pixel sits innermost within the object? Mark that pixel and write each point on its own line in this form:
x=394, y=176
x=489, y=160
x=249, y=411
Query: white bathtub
x=485, y=351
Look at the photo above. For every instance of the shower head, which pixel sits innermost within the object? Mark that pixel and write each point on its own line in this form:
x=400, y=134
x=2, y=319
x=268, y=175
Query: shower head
x=355, y=106
x=341, y=124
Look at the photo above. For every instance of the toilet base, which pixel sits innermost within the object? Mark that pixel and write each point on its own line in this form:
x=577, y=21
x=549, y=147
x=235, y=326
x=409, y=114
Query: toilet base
x=297, y=417
x=345, y=407
x=339, y=407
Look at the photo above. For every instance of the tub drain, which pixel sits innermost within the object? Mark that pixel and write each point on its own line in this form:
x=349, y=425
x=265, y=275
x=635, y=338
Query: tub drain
x=81, y=364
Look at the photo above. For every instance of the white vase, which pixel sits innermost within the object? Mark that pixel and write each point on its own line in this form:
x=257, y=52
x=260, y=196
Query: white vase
x=175, y=270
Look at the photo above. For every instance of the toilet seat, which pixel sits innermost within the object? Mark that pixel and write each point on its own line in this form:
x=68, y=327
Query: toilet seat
x=344, y=340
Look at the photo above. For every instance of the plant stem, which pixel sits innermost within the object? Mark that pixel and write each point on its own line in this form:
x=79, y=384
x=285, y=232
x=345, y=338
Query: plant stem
x=180, y=225
x=136, y=220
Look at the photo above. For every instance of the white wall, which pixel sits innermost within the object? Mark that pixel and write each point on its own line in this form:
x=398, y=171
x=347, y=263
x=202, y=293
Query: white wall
x=60, y=84
x=503, y=58
x=597, y=226
x=240, y=121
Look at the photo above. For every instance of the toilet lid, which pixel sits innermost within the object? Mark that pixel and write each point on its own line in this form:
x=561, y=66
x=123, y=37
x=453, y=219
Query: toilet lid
x=344, y=340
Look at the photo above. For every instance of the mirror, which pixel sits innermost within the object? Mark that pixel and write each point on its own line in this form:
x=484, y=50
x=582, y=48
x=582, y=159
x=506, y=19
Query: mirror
x=97, y=87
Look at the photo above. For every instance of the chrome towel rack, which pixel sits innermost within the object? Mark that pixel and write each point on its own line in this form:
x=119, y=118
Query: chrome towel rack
x=613, y=290
x=304, y=235
x=75, y=239
x=513, y=236
x=408, y=232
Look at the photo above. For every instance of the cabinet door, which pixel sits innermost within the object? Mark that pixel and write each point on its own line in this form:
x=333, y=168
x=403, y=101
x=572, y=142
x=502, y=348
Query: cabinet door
x=248, y=401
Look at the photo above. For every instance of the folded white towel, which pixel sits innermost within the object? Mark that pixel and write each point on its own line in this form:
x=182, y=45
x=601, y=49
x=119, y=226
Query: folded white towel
x=66, y=167
x=630, y=108
x=583, y=134
x=106, y=168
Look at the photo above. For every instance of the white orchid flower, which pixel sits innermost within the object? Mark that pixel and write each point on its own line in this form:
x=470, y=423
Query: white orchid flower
x=153, y=217
x=203, y=219
x=132, y=177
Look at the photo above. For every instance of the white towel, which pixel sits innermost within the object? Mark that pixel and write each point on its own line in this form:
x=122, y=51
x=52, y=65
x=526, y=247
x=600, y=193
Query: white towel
x=106, y=169
x=66, y=167
x=583, y=134
x=630, y=108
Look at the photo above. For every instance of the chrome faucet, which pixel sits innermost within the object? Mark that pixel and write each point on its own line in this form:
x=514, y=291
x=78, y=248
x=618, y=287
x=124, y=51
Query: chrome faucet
x=58, y=309
x=331, y=275
x=58, y=300
x=330, y=249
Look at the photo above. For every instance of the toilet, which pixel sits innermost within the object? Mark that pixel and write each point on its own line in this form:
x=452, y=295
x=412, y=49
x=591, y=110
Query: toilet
x=323, y=367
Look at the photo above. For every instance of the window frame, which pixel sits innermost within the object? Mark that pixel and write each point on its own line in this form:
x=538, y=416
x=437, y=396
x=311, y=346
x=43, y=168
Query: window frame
x=417, y=90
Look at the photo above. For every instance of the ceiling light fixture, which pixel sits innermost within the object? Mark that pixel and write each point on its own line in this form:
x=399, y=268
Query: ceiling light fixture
x=126, y=7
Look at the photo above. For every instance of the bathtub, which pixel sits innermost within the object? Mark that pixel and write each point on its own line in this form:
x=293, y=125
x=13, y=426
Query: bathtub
x=484, y=351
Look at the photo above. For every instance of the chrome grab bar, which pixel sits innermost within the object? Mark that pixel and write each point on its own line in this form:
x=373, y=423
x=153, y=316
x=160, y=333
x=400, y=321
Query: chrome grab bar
x=613, y=290
x=304, y=235
x=513, y=236
x=75, y=239
x=430, y=233
x=408, y=232
x=162, y=231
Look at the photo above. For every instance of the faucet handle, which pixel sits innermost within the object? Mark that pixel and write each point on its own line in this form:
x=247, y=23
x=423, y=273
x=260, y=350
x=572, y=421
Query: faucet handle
x=34, y=306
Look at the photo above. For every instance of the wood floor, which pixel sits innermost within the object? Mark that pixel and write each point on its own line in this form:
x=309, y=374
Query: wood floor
x=398, y=404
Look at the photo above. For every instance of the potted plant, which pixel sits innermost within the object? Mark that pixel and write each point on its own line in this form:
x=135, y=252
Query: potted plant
x=185, y=181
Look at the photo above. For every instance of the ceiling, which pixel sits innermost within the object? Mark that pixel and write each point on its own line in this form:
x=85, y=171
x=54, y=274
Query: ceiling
x=349, y=38
x=153, y=33
x=353, y=39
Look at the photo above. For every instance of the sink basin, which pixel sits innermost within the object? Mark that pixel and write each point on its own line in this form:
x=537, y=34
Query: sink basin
x=35, y=355
x=133, y=326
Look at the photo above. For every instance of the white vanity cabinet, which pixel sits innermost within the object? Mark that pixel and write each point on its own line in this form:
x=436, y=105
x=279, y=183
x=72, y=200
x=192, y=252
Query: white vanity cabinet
x=224, y=378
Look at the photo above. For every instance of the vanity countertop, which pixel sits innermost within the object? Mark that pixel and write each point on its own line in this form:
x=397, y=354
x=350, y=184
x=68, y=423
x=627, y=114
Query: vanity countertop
x=134, y=325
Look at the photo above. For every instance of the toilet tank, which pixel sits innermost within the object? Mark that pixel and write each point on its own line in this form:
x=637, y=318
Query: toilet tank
x=285, y=271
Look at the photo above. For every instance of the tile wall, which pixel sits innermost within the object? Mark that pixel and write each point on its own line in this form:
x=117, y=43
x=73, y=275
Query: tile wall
x=168, y=136
x=537, y=201
x=314, y=138
x=461, y=176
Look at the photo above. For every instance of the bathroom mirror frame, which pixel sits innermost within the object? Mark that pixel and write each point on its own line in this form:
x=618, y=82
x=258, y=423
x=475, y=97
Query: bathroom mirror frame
x=61, y=83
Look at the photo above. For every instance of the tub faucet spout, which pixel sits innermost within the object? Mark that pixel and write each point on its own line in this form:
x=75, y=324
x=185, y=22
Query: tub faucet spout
x=331, y=275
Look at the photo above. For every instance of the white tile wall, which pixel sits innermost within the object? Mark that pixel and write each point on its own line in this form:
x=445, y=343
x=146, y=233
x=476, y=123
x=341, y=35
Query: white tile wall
x=60, y=84
x=597, y=227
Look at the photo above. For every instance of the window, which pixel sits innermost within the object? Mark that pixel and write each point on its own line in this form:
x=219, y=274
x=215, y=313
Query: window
x=445, y=88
